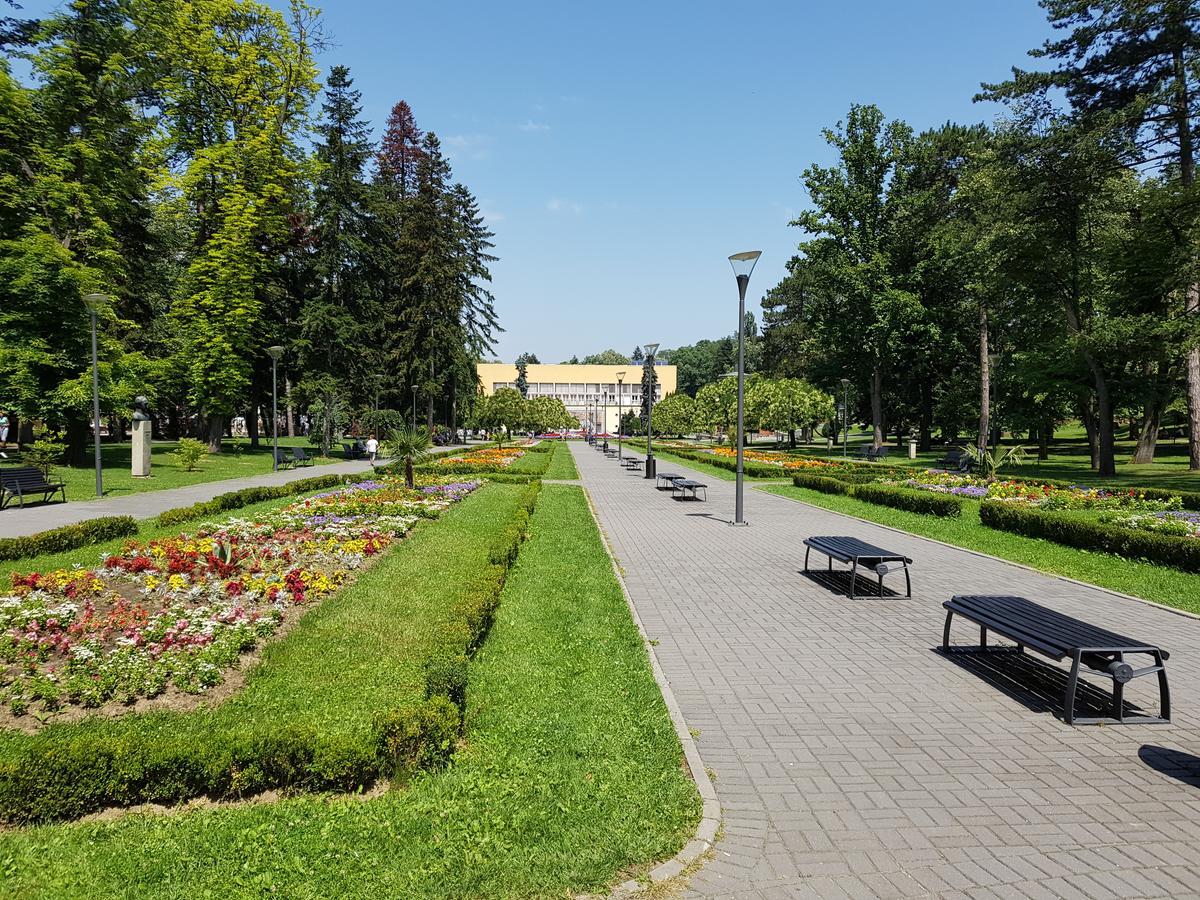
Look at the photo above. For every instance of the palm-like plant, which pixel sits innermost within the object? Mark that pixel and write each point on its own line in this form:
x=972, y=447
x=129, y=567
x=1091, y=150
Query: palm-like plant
x=408, y=443
x=986, y=462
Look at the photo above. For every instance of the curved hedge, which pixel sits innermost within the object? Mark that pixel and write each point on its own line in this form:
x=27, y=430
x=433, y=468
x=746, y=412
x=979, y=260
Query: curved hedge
x=823, y=483
x=1086, y=534
x=916, y=501
x=69, y=537
x=245, y=497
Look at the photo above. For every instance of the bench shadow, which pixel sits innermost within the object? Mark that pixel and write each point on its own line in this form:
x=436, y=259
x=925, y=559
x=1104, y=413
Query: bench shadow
x=838, y=581
x=1181, y=766
x=1037, y=685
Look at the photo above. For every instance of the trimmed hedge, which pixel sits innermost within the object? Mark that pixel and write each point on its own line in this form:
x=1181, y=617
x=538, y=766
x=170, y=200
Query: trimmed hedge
x=245, y=497
x=1085, y=534
x=923, y=502
x=78, y=768
x=69, y=537
x=822, y=483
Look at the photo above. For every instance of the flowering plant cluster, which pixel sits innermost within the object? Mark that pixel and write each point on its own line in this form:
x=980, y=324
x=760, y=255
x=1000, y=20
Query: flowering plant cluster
x=1174, y=522
x=771, y=458
x=178, y=611
x=485, y=459
x=1043, y=496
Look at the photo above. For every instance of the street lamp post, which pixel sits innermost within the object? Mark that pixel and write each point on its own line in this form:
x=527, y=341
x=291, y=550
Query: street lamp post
x=845, y=415
x=620, y=410
x=651, y=349
x=604, y=417
x=743, y=265
x=275, y=352
x=93, y=302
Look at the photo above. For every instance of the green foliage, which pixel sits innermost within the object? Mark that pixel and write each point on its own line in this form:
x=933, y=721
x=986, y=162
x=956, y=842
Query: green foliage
x=44, y=454
x=417, y=737
x=924, y=502
x=189, y=454
x=69, y=537
x=608, y=357
x=409, y=444
x=822, y=483
x=1086, y=533
x=986, y=462
x=674, y=414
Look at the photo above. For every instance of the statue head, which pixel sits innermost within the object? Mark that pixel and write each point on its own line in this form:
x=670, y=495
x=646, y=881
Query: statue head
x=141, y=408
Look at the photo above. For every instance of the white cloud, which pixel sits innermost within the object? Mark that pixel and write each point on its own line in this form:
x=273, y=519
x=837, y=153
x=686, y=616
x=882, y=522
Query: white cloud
x=469, y=146
x=555, y=205
x=531, y=125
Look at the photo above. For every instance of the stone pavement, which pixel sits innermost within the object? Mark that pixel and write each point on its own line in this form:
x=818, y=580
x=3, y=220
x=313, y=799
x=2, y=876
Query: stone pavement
x=852, y=760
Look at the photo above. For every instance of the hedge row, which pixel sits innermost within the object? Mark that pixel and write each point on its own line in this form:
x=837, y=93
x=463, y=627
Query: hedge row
x=245, y=497
x=74, y=769
x=908, y=499
x=69, y=537
x=1088, y=534
x=853, y=471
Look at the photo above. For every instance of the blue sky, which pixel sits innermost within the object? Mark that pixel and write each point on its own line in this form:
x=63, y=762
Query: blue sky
x=622, y=151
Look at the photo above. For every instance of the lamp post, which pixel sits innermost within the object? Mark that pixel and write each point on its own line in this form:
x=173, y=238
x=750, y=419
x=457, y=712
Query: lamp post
x=845, y=415
x=651, y=349
x=93, y=303
x=743, y=265
x=275, y=353
x=620, y=410
x=604, y=417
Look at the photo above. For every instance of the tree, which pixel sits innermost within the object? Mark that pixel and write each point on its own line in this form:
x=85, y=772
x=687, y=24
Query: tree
x=673, y=414
x=1131, y=65
x=409, y=444
x=649, y=382
x=399, y=151
x=548, y=414
x=606, y=358
x=522, y=378
x=637, y=355
x=529, y=359
x=505, y=410
x=716, y=406
x=785, y=404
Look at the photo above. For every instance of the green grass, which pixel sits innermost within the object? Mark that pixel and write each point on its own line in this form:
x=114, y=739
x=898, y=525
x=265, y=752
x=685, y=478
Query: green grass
x=715, y=471
x=236, y=461
x=569, y=779
x=562, y=464
x=1141, y=579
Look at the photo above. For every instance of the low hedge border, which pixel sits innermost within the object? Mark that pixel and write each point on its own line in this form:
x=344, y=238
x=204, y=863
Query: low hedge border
x=1075, y=531
x=853, y=470
x=69, y=537
x=911, y=500
x=822, y=483
x=85, y=767
x=246, y=496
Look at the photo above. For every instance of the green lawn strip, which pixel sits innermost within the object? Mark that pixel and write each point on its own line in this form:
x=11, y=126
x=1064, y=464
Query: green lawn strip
x=562, y=464
x=236, y=461
x=359, y=653
x=1141, y=579
x=570, y=778
x=532, y=463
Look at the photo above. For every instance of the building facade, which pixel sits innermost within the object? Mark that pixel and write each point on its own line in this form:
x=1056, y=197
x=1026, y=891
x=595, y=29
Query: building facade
x=588, y=392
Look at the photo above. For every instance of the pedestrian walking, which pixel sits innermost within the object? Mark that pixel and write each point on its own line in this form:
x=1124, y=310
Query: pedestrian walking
x=372, y=448
x=3, y=434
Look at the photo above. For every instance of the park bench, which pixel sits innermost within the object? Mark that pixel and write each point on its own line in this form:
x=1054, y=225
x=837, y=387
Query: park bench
x=633, y=463
x=611, y=453
x=1059, y=636
x=664, y=480
x=356, y=450
x=955, y=461
x=686, y=485
x=283, y=460
x=872, y=454
x=859, y=553
x=300, y=457
x=27, y=482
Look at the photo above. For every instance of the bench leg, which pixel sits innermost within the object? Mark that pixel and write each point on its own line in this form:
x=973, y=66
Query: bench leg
x=907, y=582
x=946, y=631
x=807, y=550
x=1072, y=684
x=1164, y=693
x=853, y=575
x=982, y=637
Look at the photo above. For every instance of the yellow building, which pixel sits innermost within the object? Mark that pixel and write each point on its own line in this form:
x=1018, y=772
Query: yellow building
x=588, y=392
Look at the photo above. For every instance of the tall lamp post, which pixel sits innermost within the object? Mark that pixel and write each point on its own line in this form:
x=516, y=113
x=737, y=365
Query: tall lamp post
x=651, y=349
x=93, y=303
x=845, y=415
x=620, y=410
x=275, y=352
x=743, y=266
x=604, y=417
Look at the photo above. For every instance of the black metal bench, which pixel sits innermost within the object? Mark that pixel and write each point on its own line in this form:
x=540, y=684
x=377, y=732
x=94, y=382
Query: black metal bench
x=283, y=460
x=664, y=480
x=955, y=461
x=300, y=457
x=1060, y=637
x=859, y=553
x=633, y=463
x=872, y=454
x=25, y=482
x=683, y=485
x=356, y=450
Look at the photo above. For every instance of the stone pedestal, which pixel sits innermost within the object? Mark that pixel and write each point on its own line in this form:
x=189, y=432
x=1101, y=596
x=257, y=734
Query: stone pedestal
x=142, y=430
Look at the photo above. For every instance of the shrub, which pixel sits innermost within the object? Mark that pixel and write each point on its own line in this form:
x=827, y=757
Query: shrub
x=416, y=737
x=189, y=454
x=1085, y=533
x=923, y=502
x=69, y=537
x=245, y=497
x=822, y=483
x=44, y=454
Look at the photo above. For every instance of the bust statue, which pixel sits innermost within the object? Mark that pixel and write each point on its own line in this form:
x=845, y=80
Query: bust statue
x=141, y=412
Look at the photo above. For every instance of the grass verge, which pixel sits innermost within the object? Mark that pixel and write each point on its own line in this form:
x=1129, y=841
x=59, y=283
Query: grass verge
x=1141, y=579
x=570, y=777
x=562, y=464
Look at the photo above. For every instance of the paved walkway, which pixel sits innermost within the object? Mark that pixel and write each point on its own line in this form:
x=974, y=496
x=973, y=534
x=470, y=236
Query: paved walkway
x=851, y=759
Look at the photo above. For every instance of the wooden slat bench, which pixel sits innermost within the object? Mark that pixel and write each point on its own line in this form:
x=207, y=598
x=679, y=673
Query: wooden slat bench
x=684, y=485
x=664, y=480
x=1059, y=636
x=633, y=463
x=27, y=482
x=859, y=553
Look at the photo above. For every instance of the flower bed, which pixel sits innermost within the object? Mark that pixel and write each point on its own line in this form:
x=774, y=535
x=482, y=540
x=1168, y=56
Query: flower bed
x=178, y=611
x=1042, y=496
x=1173, y=522
x=483, y=460
x=782, y=460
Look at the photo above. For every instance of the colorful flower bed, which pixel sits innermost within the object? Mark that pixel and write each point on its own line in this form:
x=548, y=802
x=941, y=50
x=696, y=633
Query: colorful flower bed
x=771, y=458
x=1173, y=521
x=485, y=459
x=178, y=611
x=1042, y=496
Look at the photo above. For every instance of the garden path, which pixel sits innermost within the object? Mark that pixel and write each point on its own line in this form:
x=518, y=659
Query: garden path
x=852, y=759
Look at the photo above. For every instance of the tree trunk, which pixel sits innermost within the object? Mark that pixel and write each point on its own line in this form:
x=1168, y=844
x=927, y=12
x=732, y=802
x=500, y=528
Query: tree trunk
x=1045, y=434
x=252, y=429
x=216, y=430
x=1148, y=433
x=1107, y=463
x=408, y=471
x=985, y=382
x=1088, y=416
x=877, y=406
x=78, y=434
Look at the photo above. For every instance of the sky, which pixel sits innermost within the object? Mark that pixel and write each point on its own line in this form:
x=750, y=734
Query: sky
x=621, y=151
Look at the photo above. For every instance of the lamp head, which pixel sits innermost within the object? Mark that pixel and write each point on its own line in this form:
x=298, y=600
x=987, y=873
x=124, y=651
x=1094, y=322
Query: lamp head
x=94, y=301
x=620, y=377
x=651, y=349
x=743, y=263
x=845, y=382
x=275, y=352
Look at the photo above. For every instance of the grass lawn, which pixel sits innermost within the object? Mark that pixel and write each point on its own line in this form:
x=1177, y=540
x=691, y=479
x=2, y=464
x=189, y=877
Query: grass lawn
x=562, y=464
x=236, y=461
x=1141, y=579
x=570, y=776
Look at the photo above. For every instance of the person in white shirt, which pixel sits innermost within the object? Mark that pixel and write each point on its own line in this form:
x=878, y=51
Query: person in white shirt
x=3, y=434
x=372, y=448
